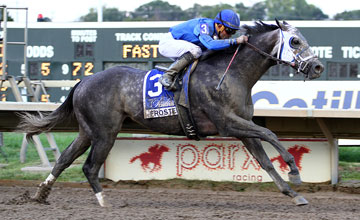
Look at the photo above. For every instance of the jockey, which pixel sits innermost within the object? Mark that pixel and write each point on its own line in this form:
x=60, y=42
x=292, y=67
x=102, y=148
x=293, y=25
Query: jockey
x=186, y=41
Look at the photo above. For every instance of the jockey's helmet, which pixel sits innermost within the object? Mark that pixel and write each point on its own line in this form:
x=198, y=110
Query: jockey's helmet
x=228, y=18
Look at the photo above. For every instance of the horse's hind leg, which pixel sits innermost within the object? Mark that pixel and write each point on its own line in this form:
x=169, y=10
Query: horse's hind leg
x=256, y=149
x=67, y=157
x=100, y=149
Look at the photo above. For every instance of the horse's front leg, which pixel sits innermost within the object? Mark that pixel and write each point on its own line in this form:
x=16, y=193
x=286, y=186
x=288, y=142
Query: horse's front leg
x=242, y=128
x=256, y=149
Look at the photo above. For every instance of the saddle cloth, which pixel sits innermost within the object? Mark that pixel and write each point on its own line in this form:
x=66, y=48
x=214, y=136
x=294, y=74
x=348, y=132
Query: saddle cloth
x=158, y=102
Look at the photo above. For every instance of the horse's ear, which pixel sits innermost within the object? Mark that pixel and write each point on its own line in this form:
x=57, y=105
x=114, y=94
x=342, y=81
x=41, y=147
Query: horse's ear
x=278, y=23
x=261, y=22
x=282, y=26
x=285, y=23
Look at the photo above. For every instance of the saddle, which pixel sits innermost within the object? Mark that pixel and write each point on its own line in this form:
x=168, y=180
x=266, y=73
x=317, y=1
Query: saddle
x=181, y=98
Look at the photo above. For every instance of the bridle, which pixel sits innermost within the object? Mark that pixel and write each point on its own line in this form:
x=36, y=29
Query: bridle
x=301, y=64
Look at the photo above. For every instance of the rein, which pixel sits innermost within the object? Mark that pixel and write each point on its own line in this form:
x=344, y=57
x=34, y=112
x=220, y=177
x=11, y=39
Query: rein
x=223, y=76
x=257, y=50
x=268, y=55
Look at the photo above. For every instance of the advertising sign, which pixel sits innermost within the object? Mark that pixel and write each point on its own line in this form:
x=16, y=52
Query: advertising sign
x=211, y=159
x=309, y=94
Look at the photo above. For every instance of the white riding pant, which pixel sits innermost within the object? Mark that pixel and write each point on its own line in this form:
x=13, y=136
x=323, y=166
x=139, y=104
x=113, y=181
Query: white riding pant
x=172, y=48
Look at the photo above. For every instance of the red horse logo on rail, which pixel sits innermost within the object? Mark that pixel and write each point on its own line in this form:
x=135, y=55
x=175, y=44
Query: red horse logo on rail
x=153, y=156
x=298, y=153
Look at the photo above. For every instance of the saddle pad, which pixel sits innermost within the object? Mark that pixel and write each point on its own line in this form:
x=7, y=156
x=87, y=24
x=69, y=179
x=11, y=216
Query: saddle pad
x=158, y=102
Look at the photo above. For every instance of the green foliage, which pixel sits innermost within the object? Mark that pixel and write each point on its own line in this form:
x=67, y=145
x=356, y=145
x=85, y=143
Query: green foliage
x=9, y=18
x=12, y=146
x=211, y=12
x=293, y=10
x=349, y=154
x=256, y=12
x=196, y=11
x=349, y=165
x=349, y=171
x=348, y=15
x=109, y=14
x=159, y=10
x=91, y=16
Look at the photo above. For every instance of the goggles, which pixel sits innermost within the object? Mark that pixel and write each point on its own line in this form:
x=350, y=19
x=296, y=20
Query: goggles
x=230, y=31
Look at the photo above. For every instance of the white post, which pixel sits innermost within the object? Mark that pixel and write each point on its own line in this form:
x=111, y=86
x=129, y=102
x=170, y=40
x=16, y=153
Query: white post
x=334, y=150
x=53, y=145
x=41, y=151
x=23, y=149
x=100, y=11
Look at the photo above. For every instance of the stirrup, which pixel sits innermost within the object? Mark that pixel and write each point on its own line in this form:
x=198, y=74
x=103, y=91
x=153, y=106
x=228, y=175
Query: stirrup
x=172, y=87
x=164, y=82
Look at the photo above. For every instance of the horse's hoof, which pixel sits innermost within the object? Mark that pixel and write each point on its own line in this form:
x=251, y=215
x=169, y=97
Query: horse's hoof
x=102, y=201
x=300, y=200
x=105, y=204
x=42, y=194
x=295, y=179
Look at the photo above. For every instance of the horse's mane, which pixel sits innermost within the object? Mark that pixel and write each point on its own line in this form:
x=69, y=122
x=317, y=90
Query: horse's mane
x=259, y=28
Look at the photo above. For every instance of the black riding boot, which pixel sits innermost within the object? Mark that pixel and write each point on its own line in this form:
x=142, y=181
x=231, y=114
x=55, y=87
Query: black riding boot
x=167, y=79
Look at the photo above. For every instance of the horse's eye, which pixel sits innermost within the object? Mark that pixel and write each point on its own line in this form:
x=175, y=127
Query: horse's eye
x=295, y=42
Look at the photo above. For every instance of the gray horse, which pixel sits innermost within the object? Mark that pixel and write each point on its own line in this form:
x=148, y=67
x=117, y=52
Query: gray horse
x=100, y=103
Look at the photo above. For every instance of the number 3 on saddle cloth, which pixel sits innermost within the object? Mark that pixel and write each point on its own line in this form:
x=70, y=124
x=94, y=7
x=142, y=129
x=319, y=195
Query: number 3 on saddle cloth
x=159, y=102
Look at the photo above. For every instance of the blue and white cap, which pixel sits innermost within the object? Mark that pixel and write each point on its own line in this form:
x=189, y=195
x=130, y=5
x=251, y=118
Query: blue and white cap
x=228, y=18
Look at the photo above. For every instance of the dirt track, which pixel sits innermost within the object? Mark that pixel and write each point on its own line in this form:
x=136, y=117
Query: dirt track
x=164, y=203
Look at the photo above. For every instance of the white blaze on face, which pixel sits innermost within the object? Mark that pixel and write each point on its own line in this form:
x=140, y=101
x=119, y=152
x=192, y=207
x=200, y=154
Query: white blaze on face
x=286, y=52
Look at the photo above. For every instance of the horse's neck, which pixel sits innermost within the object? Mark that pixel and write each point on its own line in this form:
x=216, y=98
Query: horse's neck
x=247, y=67
x=253, y=65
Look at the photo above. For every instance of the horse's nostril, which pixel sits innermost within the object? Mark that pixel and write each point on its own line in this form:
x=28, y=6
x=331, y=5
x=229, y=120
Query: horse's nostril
x=319, y=68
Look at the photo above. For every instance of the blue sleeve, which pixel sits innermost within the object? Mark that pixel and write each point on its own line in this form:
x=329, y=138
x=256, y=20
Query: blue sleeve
x=212, y=44
x=205, y=30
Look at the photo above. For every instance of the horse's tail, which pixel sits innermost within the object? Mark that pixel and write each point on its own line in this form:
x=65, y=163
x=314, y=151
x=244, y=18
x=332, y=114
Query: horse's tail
x=134, y=158
x=36, y=124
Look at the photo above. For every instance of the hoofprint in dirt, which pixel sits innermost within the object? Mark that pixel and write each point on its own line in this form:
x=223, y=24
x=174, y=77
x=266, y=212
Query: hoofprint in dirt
x=161, y=203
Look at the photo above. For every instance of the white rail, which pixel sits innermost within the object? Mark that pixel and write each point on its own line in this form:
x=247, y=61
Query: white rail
x=266, y=112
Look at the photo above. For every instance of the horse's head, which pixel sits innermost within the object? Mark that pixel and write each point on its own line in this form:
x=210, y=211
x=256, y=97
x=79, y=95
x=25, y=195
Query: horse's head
x=299, y=150
x=164, y=149
x=293, y=47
